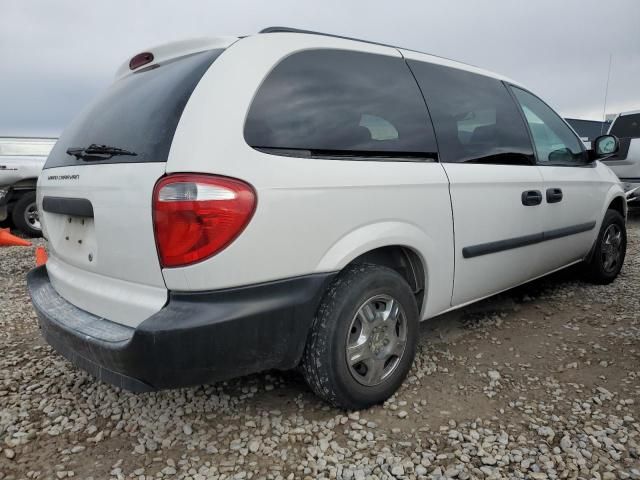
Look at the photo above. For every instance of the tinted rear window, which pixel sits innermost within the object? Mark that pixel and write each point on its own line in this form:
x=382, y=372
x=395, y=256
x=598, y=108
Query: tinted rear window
x=627, y=126
x=332, y=101
x=475, y=117
x=138, y=113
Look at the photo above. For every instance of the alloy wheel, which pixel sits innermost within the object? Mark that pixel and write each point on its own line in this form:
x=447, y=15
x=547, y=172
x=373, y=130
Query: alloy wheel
x=611, y=248
x=376, y=340
x=32, y=217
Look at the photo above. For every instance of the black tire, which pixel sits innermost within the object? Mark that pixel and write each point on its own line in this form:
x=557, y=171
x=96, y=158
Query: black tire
x=18, y=214
x=324, y=363
x=598, y=269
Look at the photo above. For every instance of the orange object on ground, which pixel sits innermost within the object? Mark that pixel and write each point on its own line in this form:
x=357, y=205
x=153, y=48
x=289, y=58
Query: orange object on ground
x=41, y=256
x=8, y=240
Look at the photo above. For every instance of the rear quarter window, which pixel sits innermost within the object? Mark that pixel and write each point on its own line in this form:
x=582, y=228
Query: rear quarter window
x=138, y=113
x=326, y=102
x=475, y=118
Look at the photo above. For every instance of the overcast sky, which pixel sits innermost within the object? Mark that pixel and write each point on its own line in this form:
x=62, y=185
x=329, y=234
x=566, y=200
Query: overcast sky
x=57, y=55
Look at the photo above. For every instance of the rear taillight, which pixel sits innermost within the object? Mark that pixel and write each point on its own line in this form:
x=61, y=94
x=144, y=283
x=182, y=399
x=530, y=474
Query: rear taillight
x=196, y=216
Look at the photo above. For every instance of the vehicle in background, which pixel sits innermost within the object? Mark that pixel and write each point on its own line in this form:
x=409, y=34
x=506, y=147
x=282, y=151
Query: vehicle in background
x=21, y=160
x=588, y=130
x=626, y=163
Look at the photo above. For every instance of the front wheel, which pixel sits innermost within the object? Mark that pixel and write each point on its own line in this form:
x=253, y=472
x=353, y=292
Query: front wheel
x=609, y=251
x=363, y=339
x=25, y=215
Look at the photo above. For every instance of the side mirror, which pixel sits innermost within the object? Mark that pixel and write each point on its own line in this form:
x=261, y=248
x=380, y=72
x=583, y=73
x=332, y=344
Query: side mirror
x=604, y=146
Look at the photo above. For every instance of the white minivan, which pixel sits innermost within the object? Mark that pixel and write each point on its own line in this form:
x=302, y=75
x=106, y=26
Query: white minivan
x=295, y=199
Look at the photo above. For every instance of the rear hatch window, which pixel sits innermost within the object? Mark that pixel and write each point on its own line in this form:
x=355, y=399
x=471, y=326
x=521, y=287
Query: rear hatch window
x=138, y=113
x=626, y=126
x=96, y=211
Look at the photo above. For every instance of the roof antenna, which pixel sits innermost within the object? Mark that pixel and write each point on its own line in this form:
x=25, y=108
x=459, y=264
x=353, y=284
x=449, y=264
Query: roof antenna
x=606, y=92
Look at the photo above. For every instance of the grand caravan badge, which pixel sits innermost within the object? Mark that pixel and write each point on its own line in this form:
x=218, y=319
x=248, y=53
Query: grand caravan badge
x=63, y=177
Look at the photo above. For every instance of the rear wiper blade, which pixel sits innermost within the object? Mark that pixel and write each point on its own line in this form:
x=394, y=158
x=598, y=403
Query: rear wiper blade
x=97, y=152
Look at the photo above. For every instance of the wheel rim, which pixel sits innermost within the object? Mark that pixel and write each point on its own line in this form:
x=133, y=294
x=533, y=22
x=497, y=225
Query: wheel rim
x=611, y=248
x=376, y=340
x=31, y=216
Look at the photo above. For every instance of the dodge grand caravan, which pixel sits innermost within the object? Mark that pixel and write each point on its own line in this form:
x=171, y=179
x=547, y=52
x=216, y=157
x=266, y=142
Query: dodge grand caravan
x=293, y=199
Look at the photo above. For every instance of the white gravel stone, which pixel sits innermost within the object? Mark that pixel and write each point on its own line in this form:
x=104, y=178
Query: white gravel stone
x=397, y=470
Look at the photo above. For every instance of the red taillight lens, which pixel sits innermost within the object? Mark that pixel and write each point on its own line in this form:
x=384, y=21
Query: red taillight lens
x=196, y=216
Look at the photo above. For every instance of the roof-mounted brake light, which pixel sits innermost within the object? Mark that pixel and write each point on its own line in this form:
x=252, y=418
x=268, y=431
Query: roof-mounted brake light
x=140, y=59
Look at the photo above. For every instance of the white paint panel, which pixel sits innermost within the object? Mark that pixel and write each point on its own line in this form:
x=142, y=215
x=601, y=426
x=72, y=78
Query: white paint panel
x=116, y=300
x=122, y=279
x=583, y=192
x=487, y=207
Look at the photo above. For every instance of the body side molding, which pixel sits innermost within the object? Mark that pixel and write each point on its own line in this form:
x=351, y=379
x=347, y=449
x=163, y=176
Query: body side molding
x=517, y=242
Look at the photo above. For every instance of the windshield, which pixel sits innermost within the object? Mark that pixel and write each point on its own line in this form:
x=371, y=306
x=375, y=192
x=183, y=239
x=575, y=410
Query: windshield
x=138, y=113
x=626, y=126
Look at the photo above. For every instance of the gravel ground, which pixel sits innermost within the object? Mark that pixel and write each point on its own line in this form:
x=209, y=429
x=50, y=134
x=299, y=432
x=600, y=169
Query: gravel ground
x=540, y=382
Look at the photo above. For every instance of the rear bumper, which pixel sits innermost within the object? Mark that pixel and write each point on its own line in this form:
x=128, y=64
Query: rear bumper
x=196, y=338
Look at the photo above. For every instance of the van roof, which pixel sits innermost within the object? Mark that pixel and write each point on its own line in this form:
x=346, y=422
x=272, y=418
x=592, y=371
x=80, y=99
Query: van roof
x=442, y=60
x=185, y=47
x=312, y=32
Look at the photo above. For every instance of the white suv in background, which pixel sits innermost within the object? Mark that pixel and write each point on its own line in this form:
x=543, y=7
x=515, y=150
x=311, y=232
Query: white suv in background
x=298, y=199
x=626, y=161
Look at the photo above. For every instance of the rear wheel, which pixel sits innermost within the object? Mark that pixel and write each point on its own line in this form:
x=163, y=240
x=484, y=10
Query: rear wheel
x=363, y=339
x=25, y=215
x=609, y=251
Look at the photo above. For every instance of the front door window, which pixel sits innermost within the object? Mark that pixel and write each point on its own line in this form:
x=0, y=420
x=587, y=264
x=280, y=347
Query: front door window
x=555, y=143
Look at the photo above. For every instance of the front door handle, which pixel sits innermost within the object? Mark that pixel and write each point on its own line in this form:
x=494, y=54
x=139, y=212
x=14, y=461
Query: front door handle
x=554, y=195
x=531, y=198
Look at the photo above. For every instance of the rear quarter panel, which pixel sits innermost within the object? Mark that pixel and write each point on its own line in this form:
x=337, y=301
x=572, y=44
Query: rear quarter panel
x=312, y=215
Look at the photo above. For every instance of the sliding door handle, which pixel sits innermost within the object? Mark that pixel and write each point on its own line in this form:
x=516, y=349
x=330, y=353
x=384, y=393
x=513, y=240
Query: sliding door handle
x=531, y=198
x=554, y=195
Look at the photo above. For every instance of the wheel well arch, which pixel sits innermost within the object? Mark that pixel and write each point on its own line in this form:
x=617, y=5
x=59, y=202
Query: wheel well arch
x=619, y=204
x=403, y=260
